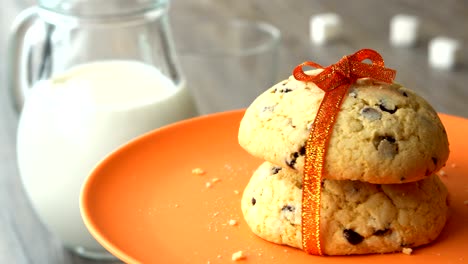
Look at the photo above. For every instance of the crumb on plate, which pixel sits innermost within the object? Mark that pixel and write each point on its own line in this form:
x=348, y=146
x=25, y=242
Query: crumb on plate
x=407, y=251
x=239, y=255
x=198, y=171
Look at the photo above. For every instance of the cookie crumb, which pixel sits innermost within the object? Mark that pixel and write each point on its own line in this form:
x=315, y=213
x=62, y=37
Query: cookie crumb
x=233, y=222
x=214, y=180
x=215, y=214
x=236, y=192
x=198, y=171
x=208, y=184
x=453, y=165
x=443, y=173
x=239, y=255
x=407, y=251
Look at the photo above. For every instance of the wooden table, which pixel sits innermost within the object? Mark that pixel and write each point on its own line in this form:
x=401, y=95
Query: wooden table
x=23, y=239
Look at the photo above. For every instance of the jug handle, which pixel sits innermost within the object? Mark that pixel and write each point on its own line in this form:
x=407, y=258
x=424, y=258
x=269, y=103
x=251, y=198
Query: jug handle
x=18, y=82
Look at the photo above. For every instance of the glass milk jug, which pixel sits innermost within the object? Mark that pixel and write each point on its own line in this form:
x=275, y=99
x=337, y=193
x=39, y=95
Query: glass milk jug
x=88, y=76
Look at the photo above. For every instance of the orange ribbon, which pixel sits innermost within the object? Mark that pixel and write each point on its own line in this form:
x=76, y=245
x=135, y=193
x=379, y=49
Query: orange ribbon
x=334, y=80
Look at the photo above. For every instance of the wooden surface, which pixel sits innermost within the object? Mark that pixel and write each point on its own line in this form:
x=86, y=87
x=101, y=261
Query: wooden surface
x=23, y=239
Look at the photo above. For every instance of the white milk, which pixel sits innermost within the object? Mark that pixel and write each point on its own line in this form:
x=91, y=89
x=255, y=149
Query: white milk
x=72, y=121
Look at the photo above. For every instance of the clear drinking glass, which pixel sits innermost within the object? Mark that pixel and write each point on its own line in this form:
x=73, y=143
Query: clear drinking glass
x=227, y=62
x=88, y=76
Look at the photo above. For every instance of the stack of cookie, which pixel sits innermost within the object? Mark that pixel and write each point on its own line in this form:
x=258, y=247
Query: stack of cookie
x=380, y=192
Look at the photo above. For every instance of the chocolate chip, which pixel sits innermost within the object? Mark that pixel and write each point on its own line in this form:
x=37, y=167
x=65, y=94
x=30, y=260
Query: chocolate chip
x=382, y=232
x=434, y=160
x=269, y=108
x=275, y=170
x=282, y=89
x=288, y=213
x=254, y=201
x=391, y=111
x=371, y=113
x=403, y=92
x=353, y=93
x=292, y=161
x=302, y=151
x=386, y=146
x=387, y=107
x=290, y=122
x=353, y=237
x=288, y=208
x=279, y=89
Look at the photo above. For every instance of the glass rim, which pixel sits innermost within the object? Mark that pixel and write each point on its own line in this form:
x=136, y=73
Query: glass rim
x=273, y=39
x=105, y=11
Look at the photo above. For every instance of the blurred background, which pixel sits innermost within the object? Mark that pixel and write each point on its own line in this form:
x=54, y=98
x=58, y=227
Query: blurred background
x=365, y=25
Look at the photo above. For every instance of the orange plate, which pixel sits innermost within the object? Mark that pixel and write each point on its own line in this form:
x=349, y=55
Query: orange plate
x=144, y=204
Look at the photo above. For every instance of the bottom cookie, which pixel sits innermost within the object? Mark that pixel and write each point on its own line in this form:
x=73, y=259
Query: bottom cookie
x=355, y=217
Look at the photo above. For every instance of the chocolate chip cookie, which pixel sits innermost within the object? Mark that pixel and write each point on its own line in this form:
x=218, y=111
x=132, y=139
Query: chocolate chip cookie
x=356, y=217
x=384, y=133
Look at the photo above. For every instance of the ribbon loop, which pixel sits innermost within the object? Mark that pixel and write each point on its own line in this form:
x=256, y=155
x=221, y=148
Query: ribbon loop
x=334, y=80
x=299, y=73
x=347, y=70
x=368, y=54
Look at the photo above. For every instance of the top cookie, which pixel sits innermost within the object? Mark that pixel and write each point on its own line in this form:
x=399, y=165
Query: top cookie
x=384, y=133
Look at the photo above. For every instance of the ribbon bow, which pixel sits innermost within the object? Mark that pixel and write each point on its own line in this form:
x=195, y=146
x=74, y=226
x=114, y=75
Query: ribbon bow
x=334, y=80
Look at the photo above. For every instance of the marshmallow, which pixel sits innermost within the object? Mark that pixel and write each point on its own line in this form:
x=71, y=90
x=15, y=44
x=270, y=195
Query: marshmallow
x=404, y=30
x=324, y=28
x=444, y=52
